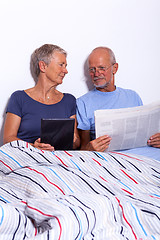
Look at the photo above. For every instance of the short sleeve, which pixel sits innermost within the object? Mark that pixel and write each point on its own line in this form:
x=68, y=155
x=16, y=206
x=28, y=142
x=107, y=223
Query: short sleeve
x=73, y=108
x=69, y=104
x=14, y=104
x=139, y=100
x=81, y=113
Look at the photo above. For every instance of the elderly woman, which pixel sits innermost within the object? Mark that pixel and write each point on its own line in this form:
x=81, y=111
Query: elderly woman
x=27, y=107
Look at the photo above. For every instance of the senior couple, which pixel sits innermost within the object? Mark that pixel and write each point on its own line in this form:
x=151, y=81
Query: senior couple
x=48, y=67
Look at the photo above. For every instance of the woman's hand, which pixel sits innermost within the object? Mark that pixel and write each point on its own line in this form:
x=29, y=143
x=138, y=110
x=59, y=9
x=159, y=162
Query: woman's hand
x=42, y=146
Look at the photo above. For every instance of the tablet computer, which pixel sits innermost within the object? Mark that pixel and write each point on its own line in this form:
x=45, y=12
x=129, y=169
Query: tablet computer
x=58, y=132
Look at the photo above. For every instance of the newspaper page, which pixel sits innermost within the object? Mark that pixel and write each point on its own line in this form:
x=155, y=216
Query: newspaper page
x=128, y=127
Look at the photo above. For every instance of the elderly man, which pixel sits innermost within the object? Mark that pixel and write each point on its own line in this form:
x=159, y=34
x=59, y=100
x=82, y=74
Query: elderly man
x=105, y=95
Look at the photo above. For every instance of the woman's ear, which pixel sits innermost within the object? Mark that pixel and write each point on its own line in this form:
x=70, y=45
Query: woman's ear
x=42, y=66
x=115, y=68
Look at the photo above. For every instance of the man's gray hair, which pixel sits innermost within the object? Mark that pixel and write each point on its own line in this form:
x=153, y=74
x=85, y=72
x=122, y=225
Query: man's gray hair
x=45, y=54
x=109, y=51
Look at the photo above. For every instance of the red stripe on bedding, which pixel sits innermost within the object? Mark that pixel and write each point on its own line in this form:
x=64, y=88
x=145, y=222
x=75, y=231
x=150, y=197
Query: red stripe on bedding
x=46, y=179
x=97, y=162
x=48, y=215
x=128, y=156
x=129, y=176
x=34, y=224
x=6, y=165
x=154, y=196
x=127, y=191
x=125, y=218
x=60, y=160
x=103, y=179
x=68, y=154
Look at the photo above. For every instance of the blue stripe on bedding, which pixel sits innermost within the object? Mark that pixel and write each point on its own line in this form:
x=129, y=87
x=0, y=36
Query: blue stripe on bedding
x=139, y=220
x=11, y=158
x=2, y=217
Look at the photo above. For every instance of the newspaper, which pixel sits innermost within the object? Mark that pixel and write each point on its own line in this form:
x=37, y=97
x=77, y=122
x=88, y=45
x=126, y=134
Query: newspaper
x=128, y=127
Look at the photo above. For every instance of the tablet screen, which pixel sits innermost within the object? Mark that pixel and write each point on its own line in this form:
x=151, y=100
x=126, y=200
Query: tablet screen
x=58, y=132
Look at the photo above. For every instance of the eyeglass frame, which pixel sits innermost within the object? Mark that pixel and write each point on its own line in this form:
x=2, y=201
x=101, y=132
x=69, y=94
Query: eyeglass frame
x=99, y=69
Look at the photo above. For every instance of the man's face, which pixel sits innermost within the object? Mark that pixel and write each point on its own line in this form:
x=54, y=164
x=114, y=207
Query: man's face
x=100, y=68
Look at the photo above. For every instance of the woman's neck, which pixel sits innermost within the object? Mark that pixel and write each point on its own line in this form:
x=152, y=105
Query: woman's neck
x=46, y=94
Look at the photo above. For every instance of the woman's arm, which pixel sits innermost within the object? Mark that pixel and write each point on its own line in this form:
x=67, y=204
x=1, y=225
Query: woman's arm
x=11, y=126
x=76, y=139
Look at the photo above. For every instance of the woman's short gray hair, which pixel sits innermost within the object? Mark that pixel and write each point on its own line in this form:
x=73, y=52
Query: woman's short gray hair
x=45, y=54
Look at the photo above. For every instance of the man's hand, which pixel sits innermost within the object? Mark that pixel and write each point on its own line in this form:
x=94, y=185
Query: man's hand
x=42, y=146
x=154, y=140
x=99, y=144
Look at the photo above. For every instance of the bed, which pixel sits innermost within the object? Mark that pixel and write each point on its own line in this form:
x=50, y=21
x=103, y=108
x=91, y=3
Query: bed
x=65, y=195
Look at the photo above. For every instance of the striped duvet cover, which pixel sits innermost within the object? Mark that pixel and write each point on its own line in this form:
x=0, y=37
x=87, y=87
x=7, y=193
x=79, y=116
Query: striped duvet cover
x=65, y=195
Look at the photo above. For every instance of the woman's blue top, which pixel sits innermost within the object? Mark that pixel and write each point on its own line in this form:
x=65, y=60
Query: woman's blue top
x=31, y=112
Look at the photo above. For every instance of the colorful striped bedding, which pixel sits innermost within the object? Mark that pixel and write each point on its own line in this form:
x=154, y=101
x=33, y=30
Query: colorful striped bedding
x=65, y=195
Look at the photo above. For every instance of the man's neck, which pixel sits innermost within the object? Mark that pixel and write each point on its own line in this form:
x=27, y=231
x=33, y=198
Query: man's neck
x=107, y=89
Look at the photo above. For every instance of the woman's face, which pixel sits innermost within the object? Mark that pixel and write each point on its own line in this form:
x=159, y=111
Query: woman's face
x=56, y=70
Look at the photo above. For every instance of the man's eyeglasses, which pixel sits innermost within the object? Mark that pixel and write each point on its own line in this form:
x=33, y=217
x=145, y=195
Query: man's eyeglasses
x=99, y=69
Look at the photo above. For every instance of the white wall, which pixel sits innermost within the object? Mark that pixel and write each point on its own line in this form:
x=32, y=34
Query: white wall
x=130, y=27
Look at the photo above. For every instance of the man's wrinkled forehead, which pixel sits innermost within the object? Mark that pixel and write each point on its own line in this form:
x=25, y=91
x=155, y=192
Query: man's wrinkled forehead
x=99, y=56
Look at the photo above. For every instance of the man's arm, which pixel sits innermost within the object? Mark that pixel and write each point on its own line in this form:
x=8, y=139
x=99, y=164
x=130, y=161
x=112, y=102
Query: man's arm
x=76, y=139
x=99, y=144
x=154, y=140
